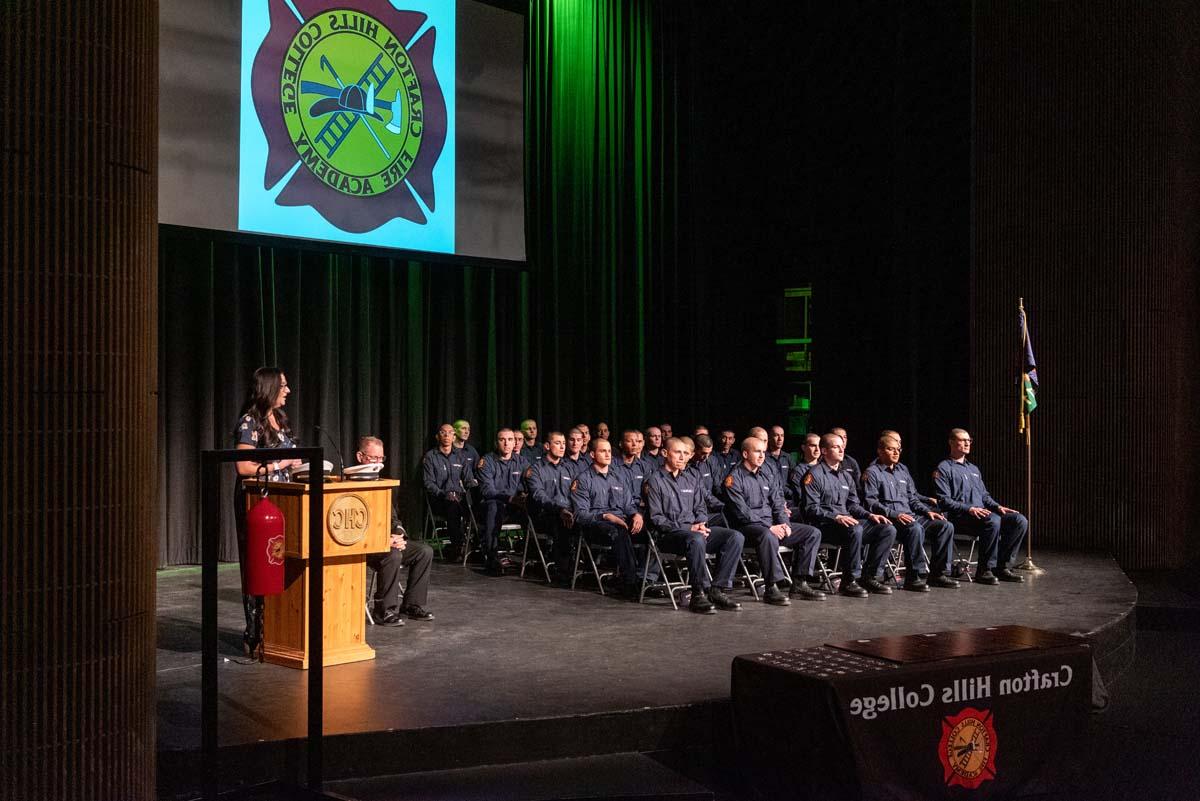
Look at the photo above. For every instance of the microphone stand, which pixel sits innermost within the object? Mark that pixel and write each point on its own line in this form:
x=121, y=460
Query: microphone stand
x=337, y=450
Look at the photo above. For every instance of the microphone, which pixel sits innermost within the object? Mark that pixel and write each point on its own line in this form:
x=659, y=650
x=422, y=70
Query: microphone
x=336, y=449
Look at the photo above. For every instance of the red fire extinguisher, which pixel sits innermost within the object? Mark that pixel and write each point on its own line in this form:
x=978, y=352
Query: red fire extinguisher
x=264, y=548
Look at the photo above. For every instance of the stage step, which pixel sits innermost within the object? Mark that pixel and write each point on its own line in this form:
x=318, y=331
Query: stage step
x=613, y=777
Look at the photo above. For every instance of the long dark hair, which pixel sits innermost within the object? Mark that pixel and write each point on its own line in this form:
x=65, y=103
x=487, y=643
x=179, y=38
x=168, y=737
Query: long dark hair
x=264, y=389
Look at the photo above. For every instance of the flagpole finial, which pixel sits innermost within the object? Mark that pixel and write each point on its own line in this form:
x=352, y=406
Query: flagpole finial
x=1021, y=303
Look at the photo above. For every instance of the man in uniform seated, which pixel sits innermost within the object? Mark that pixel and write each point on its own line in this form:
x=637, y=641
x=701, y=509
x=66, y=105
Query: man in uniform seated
x=602, y=507
x=810, y=454
x=548, y=487
x=889, y=490
x=574, y=457
x=502, y=496
x=653, y=446
x=445, y=471
x=849, y=463
x=964, y=499
x=675, y=507
x=831, y=503
x=416, y=556
x=602, y=430
x=754, y=506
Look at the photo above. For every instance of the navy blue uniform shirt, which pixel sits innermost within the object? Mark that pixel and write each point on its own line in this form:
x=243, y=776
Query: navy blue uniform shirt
x=595, y=494
x=829, y=493
x=959, y=486
x=549, y=485
x=675, y=502
x=444, y=473
x=890, y=491
x=499, y=479
x=753, y=498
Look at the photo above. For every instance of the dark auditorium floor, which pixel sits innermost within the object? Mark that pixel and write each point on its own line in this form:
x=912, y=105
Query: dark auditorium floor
x=1144, y=745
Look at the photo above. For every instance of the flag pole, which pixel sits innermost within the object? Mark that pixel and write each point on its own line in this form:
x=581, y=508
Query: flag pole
x=1027, y=419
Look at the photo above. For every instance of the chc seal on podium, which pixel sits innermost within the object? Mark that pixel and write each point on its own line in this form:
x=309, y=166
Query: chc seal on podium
x=348, y=519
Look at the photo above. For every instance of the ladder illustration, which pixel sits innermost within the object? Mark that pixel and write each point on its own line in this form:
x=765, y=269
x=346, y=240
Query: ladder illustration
x=335, y=130
x=376, y=75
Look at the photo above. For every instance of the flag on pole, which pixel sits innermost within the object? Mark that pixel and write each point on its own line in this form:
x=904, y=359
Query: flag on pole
x=1029, y=376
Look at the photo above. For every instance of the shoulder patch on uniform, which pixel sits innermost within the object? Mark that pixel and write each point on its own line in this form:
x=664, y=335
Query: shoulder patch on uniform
x=646, y=489
x=808, y=478
x=528, y=472
x=482, y=462
x=728, y=480
x=574, y=484
x=937, y=474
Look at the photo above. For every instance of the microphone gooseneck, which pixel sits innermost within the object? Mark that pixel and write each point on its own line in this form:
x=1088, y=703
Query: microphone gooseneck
x=336, y=449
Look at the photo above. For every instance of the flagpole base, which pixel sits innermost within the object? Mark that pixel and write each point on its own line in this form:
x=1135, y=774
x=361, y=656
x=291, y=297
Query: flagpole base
x=1031, y=567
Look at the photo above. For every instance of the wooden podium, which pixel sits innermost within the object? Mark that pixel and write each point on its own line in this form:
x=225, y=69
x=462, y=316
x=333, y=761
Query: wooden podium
x=357, y=520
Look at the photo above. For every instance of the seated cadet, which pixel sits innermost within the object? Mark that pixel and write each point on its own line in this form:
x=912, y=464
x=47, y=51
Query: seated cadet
x=831, y=503
x=705, y=466
x=889, y=490
x=529, y=441
x=777, y=457
x=676, y=510
x=754, y=506
x=444, y=471
x=848, y=462
x=602, y=430
x=727, y=454
x=416, y=556
x=574, y=456
x=810, y=454
x=964, y=499
x=629, y=467
x=700, y=430
x=602, y=507
x=461, y=434
x=502, y=498
x=653, y=449
x=587, y=439
x=667, y=432
x=548, y=486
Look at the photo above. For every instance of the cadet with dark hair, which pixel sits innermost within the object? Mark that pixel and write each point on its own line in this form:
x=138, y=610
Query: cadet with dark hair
x=754, y=505
x=548, y=485
x=602, y=507
x=889, y=490
x=444, y=470
x=676, y=510
x=965, y=499
x=500, y=487
x=831, y=503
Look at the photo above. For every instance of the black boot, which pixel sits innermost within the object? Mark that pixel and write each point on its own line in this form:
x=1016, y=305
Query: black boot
x=252, y=637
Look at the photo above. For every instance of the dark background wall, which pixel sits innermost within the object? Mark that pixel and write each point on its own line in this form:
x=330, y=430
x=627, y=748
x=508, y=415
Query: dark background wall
x=1086, y=143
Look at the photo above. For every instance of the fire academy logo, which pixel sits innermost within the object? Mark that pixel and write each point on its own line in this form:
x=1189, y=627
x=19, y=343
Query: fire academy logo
x=352, y=109
x=968, y=748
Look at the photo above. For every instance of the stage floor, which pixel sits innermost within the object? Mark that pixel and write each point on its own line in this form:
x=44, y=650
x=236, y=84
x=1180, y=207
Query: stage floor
x=507, y=649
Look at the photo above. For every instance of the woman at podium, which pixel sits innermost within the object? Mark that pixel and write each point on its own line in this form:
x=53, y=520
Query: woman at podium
x=263, y=424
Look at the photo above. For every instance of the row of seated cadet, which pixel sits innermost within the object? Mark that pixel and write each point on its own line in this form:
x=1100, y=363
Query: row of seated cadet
x=664, y=505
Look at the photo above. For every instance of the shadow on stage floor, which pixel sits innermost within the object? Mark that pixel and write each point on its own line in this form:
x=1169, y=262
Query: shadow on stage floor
x=513, y=670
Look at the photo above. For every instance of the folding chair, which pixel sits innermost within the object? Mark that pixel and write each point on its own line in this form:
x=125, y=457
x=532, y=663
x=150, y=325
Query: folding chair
x=533, y=536
x=962, y=568
x=668, y=586
x=825, y=573
x=372, y=585
x=583, y=547
x=754, y=580
x=433, y=525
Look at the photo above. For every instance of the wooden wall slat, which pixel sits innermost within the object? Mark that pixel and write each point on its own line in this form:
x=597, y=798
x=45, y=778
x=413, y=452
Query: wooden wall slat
x=1086, y=203
x=79, y=207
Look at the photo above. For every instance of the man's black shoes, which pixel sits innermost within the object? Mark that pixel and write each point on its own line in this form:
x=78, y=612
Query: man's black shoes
x=722, y=601
x=1004, y=574
x=874, y=585
x=775, y=597
x=392, y=618
x=851, y=589
x=700, y=603
x=988, y=578
x=416, y=612
x=945, y=582
x=804, y=592
x=916, y=585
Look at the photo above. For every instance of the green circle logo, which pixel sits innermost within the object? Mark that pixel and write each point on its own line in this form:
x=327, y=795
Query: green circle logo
x=352, y=102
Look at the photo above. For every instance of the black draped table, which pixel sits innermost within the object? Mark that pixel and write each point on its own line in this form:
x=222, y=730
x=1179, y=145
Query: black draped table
x=975, y=714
